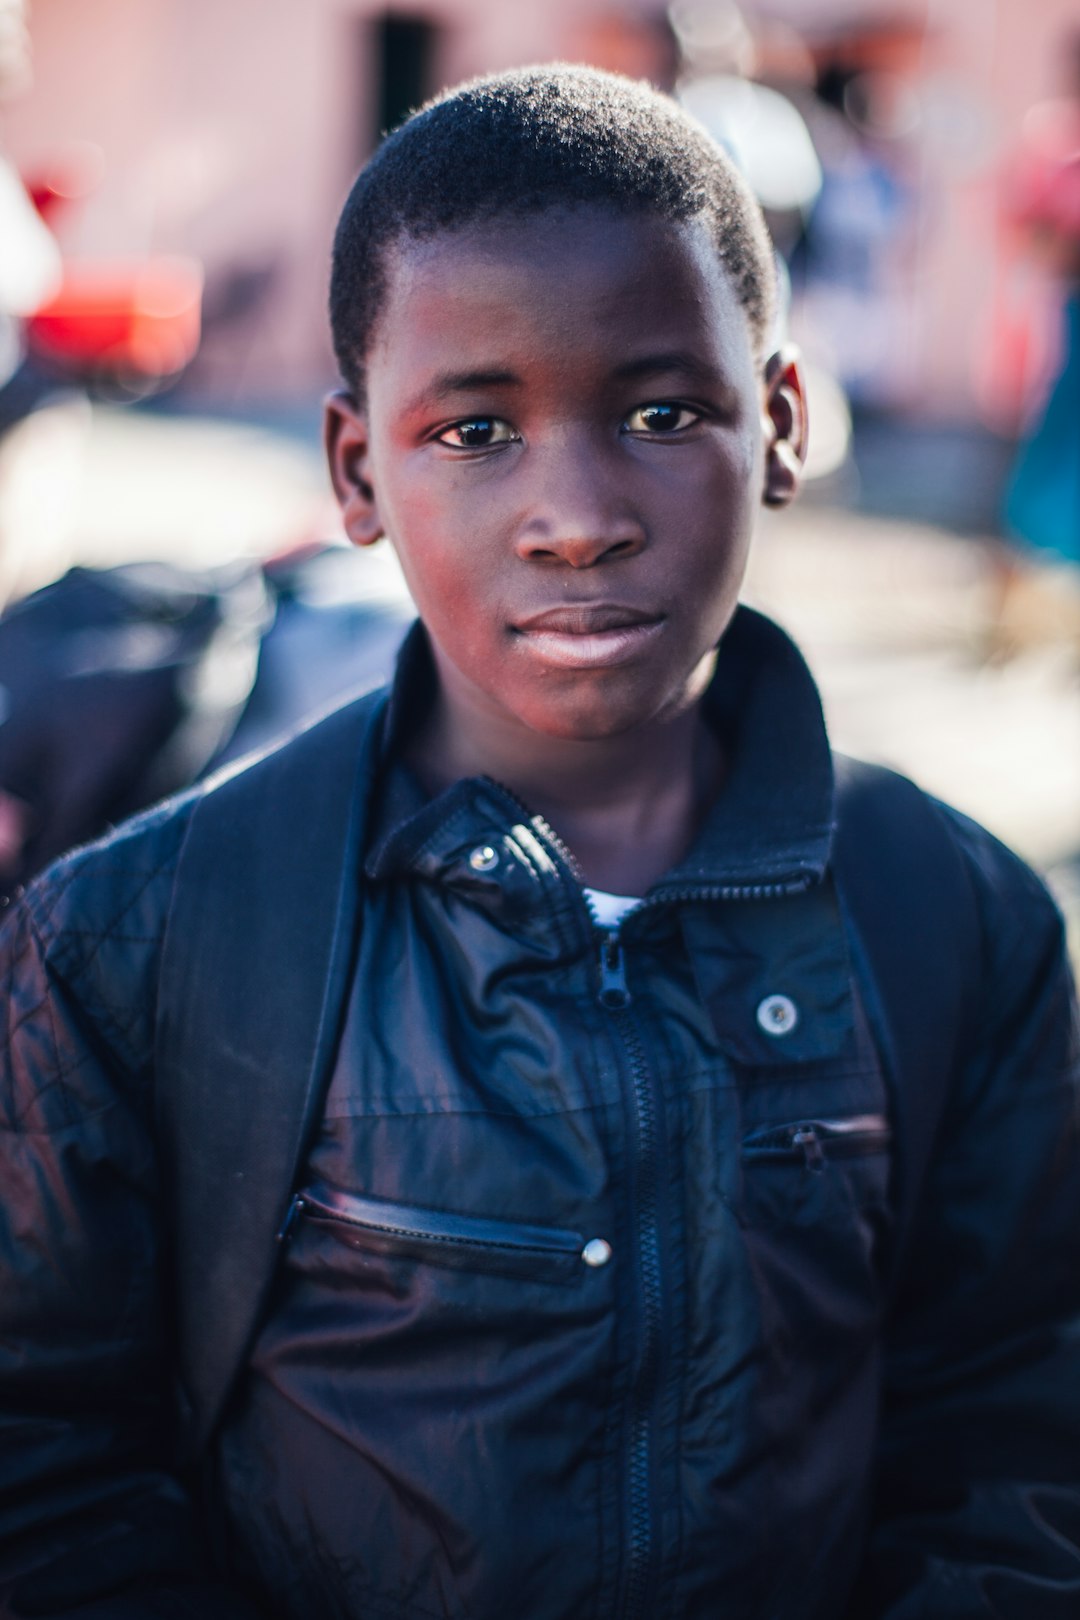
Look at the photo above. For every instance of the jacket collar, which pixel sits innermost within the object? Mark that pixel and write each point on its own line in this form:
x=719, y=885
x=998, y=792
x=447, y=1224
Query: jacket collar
x=772, y=823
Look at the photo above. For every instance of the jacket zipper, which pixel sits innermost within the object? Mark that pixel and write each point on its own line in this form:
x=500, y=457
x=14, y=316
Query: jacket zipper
x=776, y=890
x=429, y=1225
x=731, y=891
x=615, y=997
x=815, y=1140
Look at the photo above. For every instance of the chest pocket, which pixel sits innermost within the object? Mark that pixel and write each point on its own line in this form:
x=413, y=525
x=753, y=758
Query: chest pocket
x=423, y=1288
x=815, y=1136
x=815, y=1171
x=369, y=1230
x=431, y=1348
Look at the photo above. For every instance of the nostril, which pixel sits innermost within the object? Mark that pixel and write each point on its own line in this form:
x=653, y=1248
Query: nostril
x=579, y=547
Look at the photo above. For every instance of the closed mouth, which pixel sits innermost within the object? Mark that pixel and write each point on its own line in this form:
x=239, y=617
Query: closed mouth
x=586, y=619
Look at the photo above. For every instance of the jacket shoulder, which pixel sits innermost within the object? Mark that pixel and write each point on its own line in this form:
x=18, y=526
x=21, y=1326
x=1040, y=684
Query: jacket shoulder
x=82, y=950
x=111, y=884
x=1011, y=927
x=116, y=891
x=89, y=930
x=1024, y=956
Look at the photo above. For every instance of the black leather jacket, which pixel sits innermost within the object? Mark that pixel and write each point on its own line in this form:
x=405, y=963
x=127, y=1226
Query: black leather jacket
x=593, y=1300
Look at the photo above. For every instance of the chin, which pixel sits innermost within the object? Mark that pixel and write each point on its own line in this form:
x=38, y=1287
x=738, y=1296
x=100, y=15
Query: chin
x=601, y=707
x=585, y=722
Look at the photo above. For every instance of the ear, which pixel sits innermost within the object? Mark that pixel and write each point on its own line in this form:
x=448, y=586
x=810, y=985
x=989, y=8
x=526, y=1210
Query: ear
x=345, y=438
x=785, y=426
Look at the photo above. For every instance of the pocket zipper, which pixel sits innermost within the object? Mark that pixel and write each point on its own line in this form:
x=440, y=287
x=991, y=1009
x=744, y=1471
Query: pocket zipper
x=815, y=1140
x=420, y=1224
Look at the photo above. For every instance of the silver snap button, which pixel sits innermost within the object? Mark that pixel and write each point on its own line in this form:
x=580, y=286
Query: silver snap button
x=483, y=858
x=778, y=1015
x=597, y=1252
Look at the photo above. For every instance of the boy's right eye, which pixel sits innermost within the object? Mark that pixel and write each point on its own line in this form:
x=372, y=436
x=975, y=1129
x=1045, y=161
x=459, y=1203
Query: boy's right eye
x=477, y=433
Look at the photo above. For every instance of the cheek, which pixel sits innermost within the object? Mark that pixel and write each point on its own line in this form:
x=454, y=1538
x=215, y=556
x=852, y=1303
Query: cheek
x=719, y=497
x=422, y=525
x=744, y=467
x=410, y=508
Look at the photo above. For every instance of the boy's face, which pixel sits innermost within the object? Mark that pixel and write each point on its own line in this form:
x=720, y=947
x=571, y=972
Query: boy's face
x=565, y=436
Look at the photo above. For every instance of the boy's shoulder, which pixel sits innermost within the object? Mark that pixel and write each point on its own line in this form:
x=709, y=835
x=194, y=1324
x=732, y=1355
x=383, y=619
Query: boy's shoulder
x=98, y=916
x=963, y=939
x=83, y=943
x=101, y=913
x=891, y=837
x=1023, y=952
x=908, y=836
x=116, y=886
x=120, y=884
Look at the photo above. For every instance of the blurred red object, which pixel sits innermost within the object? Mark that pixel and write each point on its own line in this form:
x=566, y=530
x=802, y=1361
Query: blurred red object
x=73, y=172
x=138, y=323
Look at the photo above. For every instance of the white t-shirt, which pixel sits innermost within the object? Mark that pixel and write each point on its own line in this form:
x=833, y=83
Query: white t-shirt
x=610, y=909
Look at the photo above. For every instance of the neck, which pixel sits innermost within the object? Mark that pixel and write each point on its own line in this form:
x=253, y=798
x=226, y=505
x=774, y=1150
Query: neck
x=627, y=806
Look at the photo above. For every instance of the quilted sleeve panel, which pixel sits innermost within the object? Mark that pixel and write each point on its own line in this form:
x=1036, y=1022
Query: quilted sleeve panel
x=96, y=921
x=90, y=1512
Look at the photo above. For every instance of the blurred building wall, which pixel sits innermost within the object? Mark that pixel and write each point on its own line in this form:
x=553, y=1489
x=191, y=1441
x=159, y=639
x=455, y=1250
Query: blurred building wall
x=231, y=129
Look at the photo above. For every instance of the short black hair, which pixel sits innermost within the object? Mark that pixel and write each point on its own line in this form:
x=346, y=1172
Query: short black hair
x=522, y=142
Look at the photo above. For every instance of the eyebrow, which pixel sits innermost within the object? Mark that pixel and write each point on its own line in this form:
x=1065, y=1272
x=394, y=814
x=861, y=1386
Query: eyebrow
x=448, y=383
x=445, y=384
x=652, y=365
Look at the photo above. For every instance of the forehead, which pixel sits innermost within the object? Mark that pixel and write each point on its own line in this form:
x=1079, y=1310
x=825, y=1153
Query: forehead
x=561, y=289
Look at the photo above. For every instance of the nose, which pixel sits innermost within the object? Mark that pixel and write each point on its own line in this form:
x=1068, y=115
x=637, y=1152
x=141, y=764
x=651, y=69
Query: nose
x=576, y=512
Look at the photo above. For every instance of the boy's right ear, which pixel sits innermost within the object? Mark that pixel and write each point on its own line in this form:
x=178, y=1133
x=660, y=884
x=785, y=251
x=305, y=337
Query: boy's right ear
x=785, y=426
x=345, y=438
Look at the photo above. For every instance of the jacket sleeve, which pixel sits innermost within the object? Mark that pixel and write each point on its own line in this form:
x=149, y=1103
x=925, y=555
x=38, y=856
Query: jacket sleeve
x=93, y=1525
x=978, y=1506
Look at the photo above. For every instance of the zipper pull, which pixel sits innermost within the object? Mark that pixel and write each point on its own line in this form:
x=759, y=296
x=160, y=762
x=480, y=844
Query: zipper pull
x=807, y=1138
x=613, y=988
x=296, y=1204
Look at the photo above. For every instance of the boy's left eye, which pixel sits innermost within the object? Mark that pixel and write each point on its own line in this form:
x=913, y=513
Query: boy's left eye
x=663, y=417
x=477, y=433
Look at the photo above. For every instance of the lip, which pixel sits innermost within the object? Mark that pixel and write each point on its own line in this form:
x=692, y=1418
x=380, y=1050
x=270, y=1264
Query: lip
x=588, y=635
x=586, y=618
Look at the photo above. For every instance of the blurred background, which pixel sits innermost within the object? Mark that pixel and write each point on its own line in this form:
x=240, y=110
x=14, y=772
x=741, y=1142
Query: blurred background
x=171, y=173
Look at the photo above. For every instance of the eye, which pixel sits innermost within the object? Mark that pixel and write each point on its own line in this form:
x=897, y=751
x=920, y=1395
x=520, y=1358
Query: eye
x=665, y=416
x=478, y=433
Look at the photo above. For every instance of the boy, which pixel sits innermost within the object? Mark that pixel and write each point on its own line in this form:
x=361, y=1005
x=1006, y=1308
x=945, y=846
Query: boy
x=685, y=1225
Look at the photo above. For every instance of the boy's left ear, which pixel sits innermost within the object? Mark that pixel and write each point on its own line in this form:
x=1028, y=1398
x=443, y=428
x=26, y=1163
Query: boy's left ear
x=785, y=426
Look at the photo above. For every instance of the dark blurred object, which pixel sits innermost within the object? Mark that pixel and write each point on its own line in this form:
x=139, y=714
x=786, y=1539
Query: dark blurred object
x=121, y=685
x=118, y=686
x=404, y=51
x=335, y=633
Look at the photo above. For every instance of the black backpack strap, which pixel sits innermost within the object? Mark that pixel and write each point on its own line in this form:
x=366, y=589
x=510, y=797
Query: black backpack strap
x=911, y=912
x=255, y=968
